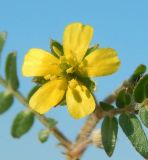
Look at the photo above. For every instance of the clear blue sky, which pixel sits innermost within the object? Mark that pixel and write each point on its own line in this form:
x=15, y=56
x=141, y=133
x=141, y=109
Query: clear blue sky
x=122, y=25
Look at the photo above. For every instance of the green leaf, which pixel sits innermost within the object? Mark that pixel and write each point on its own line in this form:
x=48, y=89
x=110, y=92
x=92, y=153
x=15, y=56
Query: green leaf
x=106, y=107
x=140, y=70
x=52, y=123
x=141, y=90
x=132, y=128
x=123, y=99
x=22, y=123
x=3, y=36
x=143, y=113
x=43, y=135
x=91, y=49
x=109, y=132
x=90, y=84
x=6, y=100
x=11, y=71
x=32, y=91
x=56, y=48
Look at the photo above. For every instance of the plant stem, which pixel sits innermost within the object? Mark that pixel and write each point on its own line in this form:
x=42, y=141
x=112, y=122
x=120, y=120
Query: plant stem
x=42, y=118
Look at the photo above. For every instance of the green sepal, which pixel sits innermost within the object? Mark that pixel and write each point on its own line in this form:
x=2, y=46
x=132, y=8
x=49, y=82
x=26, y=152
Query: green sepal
x=141, y=90
x=32, y=91
x=91, y=49
x=22, y=123
x=123, y=99
x=3, y=36
x=90, y=84
x=43, y=135
x=63, y=102
x=39, y=80
x=139, y=71
x=143, y=114
x=109, y=132
x=56, y=48
x=132, y=128
x=11, y=71
x=106, y=107
x=6, y=101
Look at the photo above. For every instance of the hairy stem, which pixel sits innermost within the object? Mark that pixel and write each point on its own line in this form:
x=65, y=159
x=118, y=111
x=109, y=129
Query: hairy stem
x=42, y=118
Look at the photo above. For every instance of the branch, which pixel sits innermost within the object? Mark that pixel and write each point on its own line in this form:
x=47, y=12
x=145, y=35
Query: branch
x=42, y=118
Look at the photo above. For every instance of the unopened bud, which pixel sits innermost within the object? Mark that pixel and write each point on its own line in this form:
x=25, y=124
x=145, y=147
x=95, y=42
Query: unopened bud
x=97, y=138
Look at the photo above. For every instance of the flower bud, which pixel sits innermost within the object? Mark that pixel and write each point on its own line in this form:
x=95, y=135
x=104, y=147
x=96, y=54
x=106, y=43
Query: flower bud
x=97, y=138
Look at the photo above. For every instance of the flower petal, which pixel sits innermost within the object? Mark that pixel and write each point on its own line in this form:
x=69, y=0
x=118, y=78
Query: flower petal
x=101, y=62
x=38, y=62
x=79, y=101
x=76, y=40
x=49, y=95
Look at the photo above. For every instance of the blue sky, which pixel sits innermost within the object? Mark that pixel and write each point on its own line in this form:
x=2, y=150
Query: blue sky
x=122, y=25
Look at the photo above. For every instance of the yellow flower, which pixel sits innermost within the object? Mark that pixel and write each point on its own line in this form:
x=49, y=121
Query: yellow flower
x=61, y=73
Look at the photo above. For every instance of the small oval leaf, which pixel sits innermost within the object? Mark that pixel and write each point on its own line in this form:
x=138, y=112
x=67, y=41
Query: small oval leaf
x=43, y=135
x=133, y=130
x=6, y=100
x=140, y=70
x=106, y=107
x=143, y=113
x=123, y=99
x=22, y=123
x=140, y=91
x=3, y=36
x=32, y=91
x=11, y=71
x=109, y=132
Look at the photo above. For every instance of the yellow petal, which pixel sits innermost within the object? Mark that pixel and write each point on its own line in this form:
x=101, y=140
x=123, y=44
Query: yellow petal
x=49, y=95
x=76, y=41
x=38, y=62
x=103, y=61
x=79, y=100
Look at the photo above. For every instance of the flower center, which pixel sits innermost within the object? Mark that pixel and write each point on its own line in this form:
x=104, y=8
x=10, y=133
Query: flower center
x=67, y=70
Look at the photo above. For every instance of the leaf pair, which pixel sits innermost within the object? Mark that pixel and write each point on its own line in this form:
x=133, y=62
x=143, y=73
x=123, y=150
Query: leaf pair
x=6, y=98
x=132, y=128
x=10, y=67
